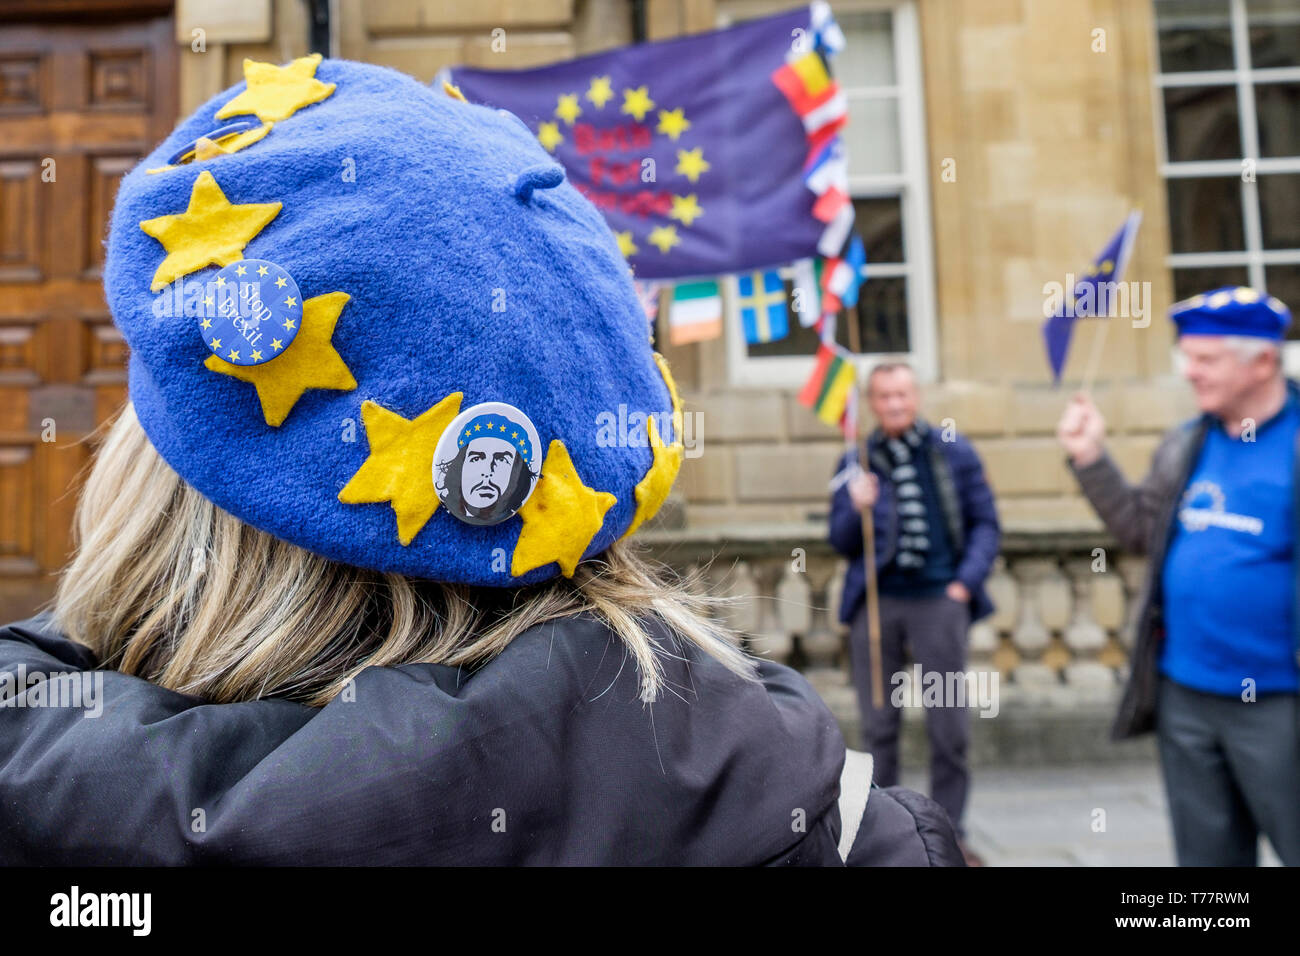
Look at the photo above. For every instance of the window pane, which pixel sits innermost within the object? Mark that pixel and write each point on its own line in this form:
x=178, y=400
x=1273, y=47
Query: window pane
x=880, y=224
x=1190, y=282
x=868, y=55
x=1274, y=27
x=1194, y=35
x=1205, y=215
x=1201, y=123
x=1277, y=110
x=1279, y=211
x=1284, y=283
x=871, y=136
x=881, y=313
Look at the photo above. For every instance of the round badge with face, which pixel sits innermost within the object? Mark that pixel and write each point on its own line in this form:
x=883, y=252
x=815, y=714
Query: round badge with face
x=251, y=312
x=486, y=463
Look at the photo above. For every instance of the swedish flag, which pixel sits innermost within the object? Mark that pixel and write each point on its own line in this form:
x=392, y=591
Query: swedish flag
x=762, y=307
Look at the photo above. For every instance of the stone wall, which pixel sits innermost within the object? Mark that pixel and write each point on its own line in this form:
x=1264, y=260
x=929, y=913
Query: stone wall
x=1053, y=145
x=1063, y=605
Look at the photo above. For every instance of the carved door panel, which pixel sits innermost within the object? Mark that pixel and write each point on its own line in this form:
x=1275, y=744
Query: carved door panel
x=81, y=101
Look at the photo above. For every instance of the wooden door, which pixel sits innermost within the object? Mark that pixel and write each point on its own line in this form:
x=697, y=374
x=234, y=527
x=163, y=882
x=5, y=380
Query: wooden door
x=82, y=99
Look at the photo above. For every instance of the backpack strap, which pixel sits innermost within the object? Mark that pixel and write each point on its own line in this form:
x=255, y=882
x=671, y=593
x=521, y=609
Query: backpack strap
x=855, y=787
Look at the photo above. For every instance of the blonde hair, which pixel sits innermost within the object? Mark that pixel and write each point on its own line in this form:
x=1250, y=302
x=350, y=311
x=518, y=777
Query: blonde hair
x=167, y=586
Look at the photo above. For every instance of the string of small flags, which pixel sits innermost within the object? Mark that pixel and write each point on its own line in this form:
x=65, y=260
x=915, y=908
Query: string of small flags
x=821, y=288
x=823, y=284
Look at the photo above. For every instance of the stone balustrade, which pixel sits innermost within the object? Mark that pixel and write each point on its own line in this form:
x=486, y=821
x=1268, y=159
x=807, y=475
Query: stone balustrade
x=1063, y=603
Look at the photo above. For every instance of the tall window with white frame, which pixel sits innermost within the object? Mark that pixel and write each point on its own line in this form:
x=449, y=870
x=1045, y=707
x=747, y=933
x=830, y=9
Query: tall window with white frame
x=879, y=72
x=1229, y=87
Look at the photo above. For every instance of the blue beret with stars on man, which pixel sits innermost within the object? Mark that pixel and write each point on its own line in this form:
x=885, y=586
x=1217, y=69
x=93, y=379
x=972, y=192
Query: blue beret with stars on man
x=329, y=272
x=1232, y=310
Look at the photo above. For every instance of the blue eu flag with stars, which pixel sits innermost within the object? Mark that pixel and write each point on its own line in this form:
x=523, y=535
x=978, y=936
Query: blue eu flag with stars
x=1089, y=291
x=687, y=147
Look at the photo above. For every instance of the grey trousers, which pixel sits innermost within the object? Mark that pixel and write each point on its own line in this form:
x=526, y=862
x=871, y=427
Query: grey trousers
x=1232, y=772
x=934, y=631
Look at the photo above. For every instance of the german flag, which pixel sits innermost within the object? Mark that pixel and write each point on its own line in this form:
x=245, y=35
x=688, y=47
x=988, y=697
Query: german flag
x=827, y=390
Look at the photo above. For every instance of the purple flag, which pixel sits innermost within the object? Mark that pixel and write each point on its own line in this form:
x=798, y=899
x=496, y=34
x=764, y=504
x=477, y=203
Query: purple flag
x=692, y=152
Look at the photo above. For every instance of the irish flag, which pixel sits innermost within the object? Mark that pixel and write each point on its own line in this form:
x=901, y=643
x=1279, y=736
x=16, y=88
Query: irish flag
x=828, y=389
x=695, y=313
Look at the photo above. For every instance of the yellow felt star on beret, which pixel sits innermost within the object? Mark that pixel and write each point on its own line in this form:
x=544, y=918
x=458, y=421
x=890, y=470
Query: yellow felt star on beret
x=652, y=490
x=205, y=148
x=277, y=92
x=210, y=231
x=310, y=361
x=399, y=468
x=560, y=517
x=673, y=395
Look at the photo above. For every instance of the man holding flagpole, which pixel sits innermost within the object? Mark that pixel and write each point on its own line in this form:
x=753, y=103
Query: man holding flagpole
x=936, y=535
x=1215, y=669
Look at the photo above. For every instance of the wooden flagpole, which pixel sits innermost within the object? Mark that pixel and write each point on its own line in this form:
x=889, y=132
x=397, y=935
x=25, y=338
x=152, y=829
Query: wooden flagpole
x=1094, y=359
x=868, y=535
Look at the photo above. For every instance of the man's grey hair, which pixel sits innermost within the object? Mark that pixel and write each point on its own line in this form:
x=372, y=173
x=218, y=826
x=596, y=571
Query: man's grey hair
x=884, y=367
x=1249, y=346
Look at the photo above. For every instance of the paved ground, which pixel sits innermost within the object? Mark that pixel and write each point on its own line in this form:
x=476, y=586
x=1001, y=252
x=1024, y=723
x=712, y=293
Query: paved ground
x=1044, y=816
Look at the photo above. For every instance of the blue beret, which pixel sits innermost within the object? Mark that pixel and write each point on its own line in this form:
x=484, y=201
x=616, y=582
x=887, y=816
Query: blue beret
x=1232, y=310
x=326, y=267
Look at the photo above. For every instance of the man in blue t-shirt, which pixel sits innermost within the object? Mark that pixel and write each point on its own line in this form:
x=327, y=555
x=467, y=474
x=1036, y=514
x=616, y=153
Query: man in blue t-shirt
x=1216, y=666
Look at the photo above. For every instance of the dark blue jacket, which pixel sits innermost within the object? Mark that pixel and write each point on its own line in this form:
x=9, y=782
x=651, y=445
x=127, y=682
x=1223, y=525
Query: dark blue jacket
x=969, y=513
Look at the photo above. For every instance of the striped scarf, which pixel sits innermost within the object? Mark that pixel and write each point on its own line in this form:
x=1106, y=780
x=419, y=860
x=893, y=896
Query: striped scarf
x=913, y=526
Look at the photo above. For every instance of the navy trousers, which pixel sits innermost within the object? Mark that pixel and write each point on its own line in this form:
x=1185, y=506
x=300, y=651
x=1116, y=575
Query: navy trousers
x=934, y=631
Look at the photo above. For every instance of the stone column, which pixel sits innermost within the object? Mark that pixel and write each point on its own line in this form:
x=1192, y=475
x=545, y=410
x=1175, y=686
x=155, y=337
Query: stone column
x=821, y=641
x=1084, y=636
x=1044, y=605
